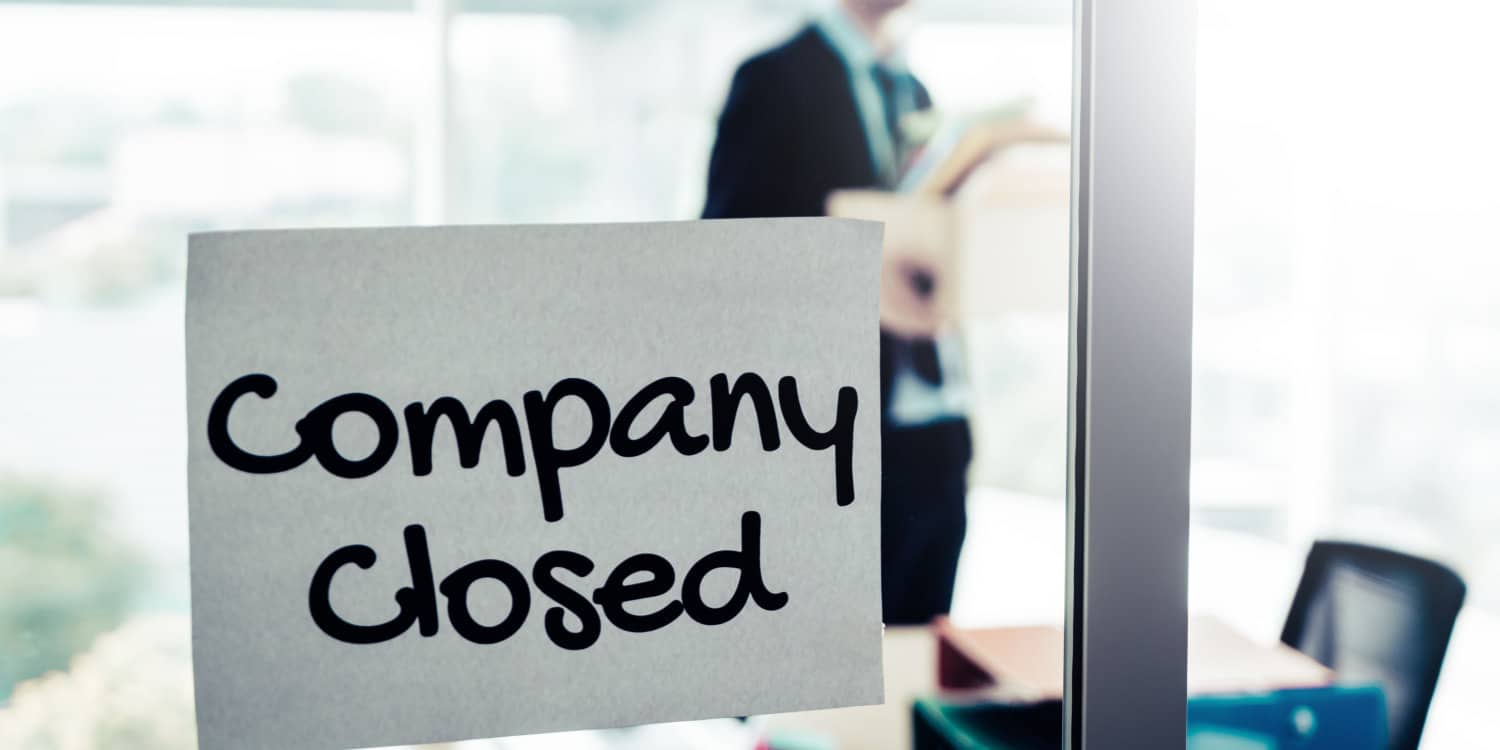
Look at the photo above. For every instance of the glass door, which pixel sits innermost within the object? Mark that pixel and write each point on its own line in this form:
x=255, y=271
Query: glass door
x=1033, y=345
x=1343, y=394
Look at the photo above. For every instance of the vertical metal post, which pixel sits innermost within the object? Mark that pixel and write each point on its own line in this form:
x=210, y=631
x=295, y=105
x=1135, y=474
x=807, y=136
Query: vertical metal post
x=1130, y=374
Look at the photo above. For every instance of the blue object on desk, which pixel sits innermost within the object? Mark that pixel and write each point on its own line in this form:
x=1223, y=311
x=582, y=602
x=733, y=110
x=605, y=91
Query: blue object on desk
x=1337, y=717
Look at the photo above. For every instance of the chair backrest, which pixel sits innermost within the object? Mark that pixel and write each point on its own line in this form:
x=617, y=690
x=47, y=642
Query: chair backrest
x=1376, y=615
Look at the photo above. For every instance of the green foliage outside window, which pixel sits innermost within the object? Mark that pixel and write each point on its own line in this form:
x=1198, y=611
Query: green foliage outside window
x=65, y=576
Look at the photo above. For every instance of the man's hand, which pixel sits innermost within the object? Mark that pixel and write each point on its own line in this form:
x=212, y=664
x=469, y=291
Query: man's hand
x=909, y=299
x=917, y=289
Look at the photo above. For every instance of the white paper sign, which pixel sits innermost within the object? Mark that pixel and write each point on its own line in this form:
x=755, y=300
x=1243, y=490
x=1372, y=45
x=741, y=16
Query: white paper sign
x=477, y=481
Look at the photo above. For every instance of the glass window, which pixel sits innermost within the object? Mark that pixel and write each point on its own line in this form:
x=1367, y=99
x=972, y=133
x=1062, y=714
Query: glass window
x=121, y=130
x=1345, y=344
x=135, y=124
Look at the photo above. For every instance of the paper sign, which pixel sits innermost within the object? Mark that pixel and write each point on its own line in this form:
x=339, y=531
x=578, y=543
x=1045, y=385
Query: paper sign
x=478, y=481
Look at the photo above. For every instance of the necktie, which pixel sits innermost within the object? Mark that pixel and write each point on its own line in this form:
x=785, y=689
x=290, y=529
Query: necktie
x=896, y=100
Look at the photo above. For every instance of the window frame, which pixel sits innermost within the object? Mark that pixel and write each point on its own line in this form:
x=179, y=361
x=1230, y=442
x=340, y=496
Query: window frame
x=1130, y=374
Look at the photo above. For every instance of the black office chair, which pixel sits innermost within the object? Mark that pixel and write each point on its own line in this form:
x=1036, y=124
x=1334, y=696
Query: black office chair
x=1375, y=615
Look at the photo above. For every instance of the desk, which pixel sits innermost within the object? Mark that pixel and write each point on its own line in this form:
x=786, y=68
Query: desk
x=1026, y=662
x=1010, y=533
x=1323, y=718
x=1017, y=532
x=910, y=675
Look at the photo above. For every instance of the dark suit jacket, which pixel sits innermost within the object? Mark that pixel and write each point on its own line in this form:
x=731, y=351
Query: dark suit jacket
x=789, y=135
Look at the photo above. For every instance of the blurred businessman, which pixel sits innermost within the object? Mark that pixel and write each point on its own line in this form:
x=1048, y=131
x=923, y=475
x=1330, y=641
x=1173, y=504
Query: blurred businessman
x=821, y=112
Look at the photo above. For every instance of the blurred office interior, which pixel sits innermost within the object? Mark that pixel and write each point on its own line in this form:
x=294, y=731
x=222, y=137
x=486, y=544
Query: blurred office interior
x=1346, y=347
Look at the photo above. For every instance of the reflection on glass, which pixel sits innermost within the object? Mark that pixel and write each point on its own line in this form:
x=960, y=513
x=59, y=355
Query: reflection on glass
x=135, y=125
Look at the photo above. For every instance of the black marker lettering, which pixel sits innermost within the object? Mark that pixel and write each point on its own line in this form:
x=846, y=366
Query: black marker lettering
x=670, y=424
x=840, y=436
x=726, y=406
x=224, y=446
x=751, y=584
x=456, y=588
x=547, y=456
x=316, y=430
x=571, y=601
x=417, y=602
x=420, y=426
x=613, y=595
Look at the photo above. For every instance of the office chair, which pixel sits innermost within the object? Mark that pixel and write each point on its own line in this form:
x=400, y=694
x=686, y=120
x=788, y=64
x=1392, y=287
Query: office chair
x=1376, y=615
